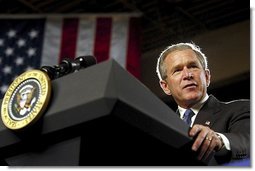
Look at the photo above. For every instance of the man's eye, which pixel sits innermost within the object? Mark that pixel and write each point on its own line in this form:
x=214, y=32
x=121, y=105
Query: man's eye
x=193, y=66
x=177, y=70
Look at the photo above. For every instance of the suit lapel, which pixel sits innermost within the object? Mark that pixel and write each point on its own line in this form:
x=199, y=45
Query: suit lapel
x=206, y=116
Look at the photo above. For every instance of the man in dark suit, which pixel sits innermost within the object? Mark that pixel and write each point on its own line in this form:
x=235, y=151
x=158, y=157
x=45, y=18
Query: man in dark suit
x=219, y=129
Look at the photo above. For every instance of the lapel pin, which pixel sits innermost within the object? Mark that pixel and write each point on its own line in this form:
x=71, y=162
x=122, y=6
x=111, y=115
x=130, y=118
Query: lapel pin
x=207, y=123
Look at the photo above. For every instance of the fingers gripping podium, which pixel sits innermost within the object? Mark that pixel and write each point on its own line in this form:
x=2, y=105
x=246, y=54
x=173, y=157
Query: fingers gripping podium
x=100, y=116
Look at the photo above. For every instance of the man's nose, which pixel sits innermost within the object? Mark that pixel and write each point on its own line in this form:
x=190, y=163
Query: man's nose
x=187, y=74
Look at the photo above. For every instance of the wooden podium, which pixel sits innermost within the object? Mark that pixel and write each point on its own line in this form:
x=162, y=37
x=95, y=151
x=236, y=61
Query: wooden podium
x=100, y=116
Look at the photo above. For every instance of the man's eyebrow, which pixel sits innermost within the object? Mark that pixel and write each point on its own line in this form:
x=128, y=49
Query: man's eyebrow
x=176, y=67
x=193, y=62
x=189, y=63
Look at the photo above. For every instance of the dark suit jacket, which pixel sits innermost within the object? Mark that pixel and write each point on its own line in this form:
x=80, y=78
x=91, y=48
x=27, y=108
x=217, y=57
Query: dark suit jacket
x=231, y=119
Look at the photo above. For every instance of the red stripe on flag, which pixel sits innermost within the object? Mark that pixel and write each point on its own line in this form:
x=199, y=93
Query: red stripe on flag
x=102, y=38
x=69, y=38
x=133, y=48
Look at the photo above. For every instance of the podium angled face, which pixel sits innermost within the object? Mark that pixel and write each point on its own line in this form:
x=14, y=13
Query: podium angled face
x=100, y=116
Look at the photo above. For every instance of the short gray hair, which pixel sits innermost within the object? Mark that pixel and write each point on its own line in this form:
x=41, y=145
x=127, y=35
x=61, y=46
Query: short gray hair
x=161, y=68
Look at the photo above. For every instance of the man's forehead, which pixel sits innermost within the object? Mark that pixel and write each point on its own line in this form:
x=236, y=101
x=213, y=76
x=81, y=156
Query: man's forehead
x=182, y=56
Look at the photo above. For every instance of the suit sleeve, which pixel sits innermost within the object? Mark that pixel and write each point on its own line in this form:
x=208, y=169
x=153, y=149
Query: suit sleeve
x=238, y=132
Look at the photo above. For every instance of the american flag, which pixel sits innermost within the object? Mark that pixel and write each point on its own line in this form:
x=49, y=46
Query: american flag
x=31, y=42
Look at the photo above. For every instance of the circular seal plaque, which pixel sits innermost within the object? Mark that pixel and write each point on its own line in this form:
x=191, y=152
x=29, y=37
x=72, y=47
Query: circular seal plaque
x=26, y=99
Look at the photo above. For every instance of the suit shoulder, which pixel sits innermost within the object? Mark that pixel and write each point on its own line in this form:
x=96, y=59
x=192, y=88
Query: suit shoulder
x=234, y=105
x=239, y=101
x=233, y=102
x=242, y=104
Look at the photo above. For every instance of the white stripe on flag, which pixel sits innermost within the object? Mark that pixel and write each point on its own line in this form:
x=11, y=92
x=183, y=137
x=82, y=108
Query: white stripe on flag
x=86, y=36
x=119, y=36
x=51, y=42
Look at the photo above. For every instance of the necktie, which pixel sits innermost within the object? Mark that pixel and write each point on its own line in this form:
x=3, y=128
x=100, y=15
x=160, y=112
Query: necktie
x=187, y=116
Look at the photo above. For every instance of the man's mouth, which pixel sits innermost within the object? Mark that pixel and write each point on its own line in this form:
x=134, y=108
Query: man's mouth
x=191, y=85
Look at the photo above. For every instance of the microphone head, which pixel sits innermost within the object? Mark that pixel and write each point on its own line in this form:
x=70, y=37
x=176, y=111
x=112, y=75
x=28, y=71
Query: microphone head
x=86, y=61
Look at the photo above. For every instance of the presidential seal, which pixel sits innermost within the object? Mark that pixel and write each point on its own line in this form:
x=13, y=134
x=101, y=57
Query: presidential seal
x=26, y=99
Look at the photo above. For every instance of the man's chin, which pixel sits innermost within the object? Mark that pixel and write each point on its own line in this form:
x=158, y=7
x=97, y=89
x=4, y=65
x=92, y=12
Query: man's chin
x=193, y=98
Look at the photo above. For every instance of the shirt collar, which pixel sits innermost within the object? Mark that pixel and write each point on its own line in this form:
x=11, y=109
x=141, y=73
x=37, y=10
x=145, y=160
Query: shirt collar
x=195, y=108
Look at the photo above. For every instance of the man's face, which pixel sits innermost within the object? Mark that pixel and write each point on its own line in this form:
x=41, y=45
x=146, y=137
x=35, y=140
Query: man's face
x=186, y=80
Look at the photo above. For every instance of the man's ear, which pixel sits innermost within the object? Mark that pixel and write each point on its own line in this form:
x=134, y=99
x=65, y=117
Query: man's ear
x=164, y=86
x=208, y=77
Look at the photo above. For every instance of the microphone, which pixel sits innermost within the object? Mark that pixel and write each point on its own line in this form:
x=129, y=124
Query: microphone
x=83, y=62
x=68, y=66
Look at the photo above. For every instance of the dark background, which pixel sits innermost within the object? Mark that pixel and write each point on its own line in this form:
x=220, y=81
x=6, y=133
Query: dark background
x=164, y=22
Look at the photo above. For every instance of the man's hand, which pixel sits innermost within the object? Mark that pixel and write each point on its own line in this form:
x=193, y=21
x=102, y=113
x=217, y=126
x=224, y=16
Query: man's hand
x=206, y=141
